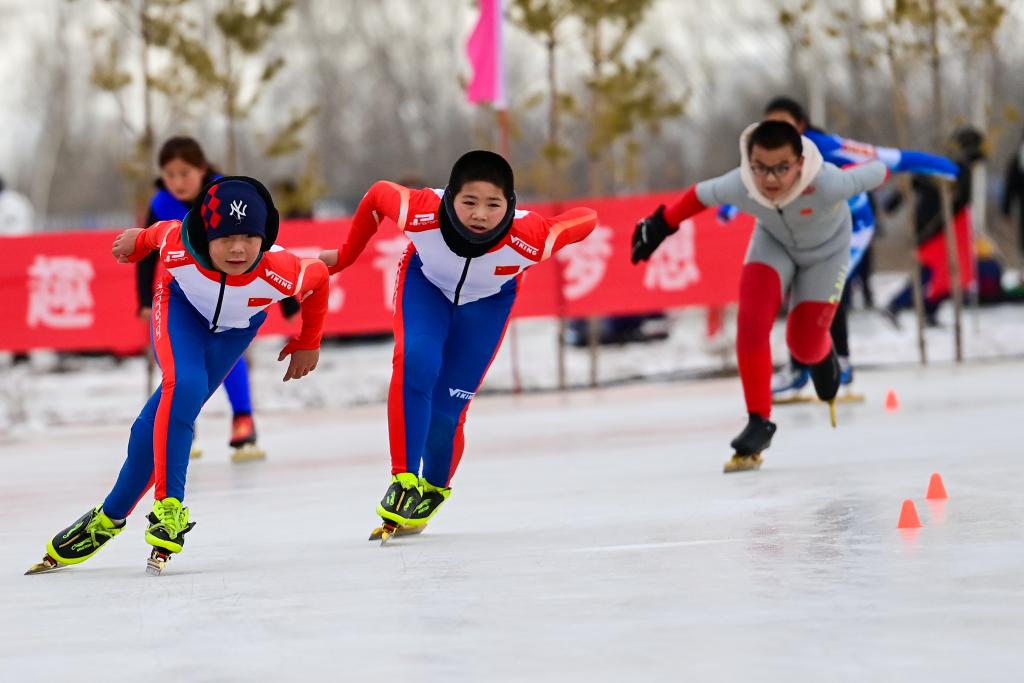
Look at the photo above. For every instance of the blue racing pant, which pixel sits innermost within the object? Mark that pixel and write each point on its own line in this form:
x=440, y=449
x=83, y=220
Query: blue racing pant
x=442, y=352
x=194, y=361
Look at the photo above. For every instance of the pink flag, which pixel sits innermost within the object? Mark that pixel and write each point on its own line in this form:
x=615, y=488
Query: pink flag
x=485, y=55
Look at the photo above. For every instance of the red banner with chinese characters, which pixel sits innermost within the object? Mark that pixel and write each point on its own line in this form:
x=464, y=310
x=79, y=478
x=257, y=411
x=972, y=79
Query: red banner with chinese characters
x=64, y=291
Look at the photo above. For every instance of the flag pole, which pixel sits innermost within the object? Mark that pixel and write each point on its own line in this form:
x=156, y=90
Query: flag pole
x=505, y=147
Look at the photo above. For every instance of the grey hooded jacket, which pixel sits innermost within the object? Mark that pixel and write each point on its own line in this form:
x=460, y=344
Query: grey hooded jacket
x=812, y=221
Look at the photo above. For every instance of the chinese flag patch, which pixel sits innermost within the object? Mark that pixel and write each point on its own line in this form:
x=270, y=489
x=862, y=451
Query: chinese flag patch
x=506, y=270
x=806, y=212
x=259, y=301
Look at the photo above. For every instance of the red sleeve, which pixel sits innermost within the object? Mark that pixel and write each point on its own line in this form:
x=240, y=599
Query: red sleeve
x=567, y=228
x=688, y=205
x=151, y=238
x=384, y=200
x=312, y=289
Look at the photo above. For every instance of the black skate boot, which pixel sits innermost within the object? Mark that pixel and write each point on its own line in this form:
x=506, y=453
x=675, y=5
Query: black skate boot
x=402, y=496
x=243, y=439
x=755, y=437
x=826, y=376
x=431, y=498
x=78, y=542
x=168, y=524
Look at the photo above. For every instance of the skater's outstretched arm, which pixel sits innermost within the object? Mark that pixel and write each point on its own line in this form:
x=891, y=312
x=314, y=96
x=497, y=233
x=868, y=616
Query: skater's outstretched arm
x=384, y=200
x=564, y=229
x=842, y=184
x=652, y=230
x=842, y=151
x=135, y=243
x=312, y=290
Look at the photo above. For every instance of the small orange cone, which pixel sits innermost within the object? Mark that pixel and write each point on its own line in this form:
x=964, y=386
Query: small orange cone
x=908, y=516
x=892, y=404
x=936, y=490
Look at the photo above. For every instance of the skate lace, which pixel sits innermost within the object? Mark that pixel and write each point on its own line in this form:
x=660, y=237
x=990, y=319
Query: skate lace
x=170, y=519
x=94, y=529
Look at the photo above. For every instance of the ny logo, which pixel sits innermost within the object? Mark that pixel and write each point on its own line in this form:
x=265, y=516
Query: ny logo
x=238, y=210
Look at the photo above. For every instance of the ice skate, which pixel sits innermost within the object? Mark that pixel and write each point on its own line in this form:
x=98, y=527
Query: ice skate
x=826, y=378
x=431, y=499
x=168, y=524
x=402, y=496
x=755, y=438
x=78, y=542
x=847, y=393
x=398, y=531
x=788, y=383
x=243, y=440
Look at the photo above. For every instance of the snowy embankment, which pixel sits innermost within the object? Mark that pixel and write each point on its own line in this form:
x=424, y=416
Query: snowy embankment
x=50, y=392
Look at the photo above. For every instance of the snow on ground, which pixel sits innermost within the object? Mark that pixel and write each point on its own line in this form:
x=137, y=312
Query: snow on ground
x=591, y=536
x=91, y=391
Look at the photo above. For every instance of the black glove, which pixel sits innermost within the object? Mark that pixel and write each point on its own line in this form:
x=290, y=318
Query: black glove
x=289, y=307
x=650, y=232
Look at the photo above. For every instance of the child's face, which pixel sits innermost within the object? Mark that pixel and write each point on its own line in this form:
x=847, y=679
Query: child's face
x=183, y=180
x=775, y=170
x=480, y=205
x=235, y=254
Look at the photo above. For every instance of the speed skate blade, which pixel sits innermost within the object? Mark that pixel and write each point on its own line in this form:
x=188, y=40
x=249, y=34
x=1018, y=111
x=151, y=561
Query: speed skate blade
x=48, y=564
x=402, y=531
x=792, y=400
x=248, y=453
x=743, y=463
x=849, y=397
x=157, y=562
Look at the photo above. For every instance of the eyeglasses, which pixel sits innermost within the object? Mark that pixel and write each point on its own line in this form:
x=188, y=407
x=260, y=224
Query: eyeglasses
x=778, y=170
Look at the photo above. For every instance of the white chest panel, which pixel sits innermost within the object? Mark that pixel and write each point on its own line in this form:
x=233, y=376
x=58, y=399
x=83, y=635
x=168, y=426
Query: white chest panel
x=484, y=277
x=235, y=308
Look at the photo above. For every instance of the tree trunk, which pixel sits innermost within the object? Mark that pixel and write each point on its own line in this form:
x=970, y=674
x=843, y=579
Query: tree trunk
x=145, y=143
x=900, y=113
x=935, y=61
x=230, y=104
x=55, y=124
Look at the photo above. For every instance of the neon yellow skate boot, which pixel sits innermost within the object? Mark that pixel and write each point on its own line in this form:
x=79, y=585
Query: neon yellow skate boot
x=431, y=499
x=399, y=499
x=168, y=524
x=78, y=542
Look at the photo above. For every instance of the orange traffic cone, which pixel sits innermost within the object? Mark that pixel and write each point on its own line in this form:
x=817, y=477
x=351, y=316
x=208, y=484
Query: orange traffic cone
x=908, y=516
x=892, y=404
x=936, y=490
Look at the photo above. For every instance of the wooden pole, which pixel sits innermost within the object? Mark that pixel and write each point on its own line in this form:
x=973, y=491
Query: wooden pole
x=593, y=341
x=906, y=188
x=953, y=259
x=505, y=146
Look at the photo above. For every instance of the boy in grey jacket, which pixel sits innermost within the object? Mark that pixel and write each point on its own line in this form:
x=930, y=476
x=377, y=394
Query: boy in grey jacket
x=801, y=243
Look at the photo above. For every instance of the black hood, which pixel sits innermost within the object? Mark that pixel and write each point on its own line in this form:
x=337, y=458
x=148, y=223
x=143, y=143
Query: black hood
x=476, y=165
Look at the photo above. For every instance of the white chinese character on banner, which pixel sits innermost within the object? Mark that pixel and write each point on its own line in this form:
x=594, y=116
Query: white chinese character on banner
x=389, y=256
x=586, y=263
x=673, y=267
x=336, y=295
x=59, y=292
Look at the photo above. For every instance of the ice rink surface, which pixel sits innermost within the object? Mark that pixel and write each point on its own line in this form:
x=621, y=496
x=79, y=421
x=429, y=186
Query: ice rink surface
x=591, y=536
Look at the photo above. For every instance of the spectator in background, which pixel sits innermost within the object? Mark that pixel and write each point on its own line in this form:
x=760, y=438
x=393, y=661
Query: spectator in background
x=1013, y=192
x=929, y=230
x=16, y=214
x=184, y=172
